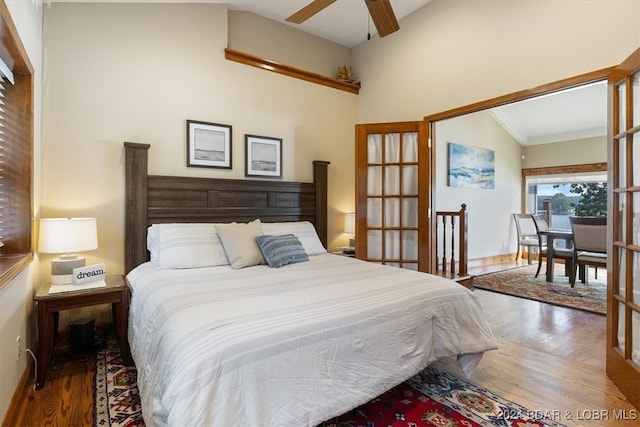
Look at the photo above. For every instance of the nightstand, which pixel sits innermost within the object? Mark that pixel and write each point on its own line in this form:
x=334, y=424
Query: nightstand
x=346, y=254
x=115, y=293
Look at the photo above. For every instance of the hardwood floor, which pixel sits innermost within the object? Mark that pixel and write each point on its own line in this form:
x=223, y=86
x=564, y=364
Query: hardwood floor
x=551, y=360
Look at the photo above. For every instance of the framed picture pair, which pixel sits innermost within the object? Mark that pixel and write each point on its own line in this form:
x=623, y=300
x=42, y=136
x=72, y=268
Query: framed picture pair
x=209, y=146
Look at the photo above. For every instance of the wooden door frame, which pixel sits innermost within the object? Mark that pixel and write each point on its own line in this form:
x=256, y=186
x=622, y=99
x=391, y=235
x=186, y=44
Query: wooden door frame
x=430, y=121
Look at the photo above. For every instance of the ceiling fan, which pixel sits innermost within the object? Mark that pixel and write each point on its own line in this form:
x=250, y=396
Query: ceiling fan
x=380, y=10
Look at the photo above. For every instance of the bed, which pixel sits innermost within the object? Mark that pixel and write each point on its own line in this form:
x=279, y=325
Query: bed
x=220, y=338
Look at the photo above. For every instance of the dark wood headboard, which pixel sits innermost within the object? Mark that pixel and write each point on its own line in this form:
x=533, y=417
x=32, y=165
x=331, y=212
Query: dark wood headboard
x=153, y=199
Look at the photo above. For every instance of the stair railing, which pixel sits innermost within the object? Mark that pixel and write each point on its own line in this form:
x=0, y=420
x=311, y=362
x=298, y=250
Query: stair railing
x=451, y=242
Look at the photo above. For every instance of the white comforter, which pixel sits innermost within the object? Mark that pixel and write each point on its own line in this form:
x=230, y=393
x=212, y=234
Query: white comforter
x=292, y=346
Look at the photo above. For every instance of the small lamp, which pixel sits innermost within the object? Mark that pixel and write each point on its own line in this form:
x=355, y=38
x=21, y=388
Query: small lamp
x=350, y=227
x=66, y=236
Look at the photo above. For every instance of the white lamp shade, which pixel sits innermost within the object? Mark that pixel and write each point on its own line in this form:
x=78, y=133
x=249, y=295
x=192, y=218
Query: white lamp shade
x=67, y=235
x=350, y=223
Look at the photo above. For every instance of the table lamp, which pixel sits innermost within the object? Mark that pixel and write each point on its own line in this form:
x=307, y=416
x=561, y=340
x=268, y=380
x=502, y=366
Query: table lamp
x=350, y=228
x=66, y=236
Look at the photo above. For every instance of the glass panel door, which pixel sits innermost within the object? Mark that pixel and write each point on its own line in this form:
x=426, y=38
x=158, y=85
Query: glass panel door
x=389, y=222
x=623, y=278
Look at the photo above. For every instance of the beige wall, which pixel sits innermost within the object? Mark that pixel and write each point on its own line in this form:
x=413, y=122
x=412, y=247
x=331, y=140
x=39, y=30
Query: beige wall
x=490, y=228
x=16, y=298
x=575, y=152
x=133, y=72
x=271, y=40
x=452, y=53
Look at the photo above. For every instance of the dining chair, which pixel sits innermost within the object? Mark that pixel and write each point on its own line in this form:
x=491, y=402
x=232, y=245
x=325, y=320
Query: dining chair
x=590, y=245
x=565, y=254
x=527, y=234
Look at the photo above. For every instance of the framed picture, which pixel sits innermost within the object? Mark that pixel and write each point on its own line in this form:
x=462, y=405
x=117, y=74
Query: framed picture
x=208, y=145
x=263, y=156
x=471, y=167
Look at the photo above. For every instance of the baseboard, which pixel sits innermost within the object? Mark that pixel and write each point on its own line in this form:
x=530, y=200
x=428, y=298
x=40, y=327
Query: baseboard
x=503, y=258
x=26, y=381
x=490, y=260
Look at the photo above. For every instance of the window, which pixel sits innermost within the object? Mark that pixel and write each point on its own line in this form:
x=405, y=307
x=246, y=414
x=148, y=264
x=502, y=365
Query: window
x=569, y=194
x=16, y=152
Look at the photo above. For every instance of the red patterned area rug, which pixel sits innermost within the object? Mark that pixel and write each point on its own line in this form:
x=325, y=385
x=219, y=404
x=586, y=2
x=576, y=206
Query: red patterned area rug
x=520, y=282
x=117, y=402
x=437, y=398
x=432, y=398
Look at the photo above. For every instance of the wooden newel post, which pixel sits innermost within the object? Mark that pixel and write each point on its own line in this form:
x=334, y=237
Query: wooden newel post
x=462, y=269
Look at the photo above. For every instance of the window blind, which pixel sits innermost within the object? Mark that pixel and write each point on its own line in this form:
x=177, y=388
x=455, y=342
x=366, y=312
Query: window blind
x=3, y=164
x=15, y=154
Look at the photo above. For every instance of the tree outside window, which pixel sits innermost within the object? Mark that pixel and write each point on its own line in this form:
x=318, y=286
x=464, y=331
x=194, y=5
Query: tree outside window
x=591, y=200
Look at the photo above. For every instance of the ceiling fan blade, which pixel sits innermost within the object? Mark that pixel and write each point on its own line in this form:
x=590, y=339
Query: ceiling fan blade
x=308, y=11
x=383, y=17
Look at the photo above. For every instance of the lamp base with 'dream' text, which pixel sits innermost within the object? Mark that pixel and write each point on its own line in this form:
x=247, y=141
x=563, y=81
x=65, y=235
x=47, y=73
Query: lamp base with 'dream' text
x=62, y=268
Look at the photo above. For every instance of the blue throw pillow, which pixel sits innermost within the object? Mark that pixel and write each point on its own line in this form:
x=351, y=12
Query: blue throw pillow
x=281, y=250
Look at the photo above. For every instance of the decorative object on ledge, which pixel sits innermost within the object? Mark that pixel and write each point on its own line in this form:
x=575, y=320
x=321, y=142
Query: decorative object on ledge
x=345, y=74
x=265, y=64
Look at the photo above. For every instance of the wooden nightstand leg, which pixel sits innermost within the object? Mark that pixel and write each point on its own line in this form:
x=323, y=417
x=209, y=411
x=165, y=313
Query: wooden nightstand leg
x=46, y=336
x=120, y=320
x=56, y=323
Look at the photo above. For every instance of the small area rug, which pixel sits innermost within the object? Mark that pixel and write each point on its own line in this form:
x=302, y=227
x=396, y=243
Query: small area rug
x=117, y=401
x=432, y=398
x=520, y=282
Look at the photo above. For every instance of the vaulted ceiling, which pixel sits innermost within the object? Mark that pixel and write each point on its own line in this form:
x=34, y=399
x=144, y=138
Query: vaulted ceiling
x=345, y=22
x=573, y=114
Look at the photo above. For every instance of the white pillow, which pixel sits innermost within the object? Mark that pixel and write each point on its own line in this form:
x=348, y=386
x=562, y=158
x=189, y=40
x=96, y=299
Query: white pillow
x=186, y=245
x=239, y=242
x=303, y=230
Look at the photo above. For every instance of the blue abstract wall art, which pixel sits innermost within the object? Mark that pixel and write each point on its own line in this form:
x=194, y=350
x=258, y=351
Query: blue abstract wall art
x=471, y=167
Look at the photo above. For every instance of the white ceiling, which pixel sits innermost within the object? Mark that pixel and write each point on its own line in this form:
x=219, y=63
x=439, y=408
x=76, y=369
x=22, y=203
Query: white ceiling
x=345, y=22
x=572, y=114
x=575, y=113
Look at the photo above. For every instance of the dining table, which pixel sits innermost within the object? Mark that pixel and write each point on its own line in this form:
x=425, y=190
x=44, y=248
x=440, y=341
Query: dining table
x=552, y=236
